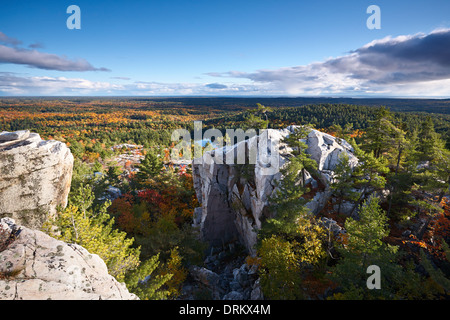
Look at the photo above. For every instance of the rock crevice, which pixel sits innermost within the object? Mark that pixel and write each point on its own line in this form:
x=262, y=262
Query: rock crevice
x=235, y=197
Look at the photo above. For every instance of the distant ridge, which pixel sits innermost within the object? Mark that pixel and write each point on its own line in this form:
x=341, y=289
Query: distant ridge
x=428, y=105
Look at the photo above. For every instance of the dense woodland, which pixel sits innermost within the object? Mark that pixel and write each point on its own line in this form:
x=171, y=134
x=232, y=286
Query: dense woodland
x=145, y=232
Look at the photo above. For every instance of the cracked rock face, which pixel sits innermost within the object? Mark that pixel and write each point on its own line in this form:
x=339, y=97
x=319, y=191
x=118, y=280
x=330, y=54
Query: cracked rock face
x=36, y=266
x=35, y=177
x=235, y=198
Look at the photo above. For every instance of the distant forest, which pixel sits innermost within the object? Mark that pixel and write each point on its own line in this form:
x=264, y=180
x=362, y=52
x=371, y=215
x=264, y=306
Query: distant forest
x=149, y=120
x=134, y=207
x=404, y=105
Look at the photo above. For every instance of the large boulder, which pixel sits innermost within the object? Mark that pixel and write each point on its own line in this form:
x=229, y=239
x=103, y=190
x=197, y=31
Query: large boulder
x=235, y=197
x=35, y=266
x=35, y=177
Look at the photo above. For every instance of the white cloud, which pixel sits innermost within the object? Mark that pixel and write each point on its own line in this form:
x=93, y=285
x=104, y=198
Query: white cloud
x=390, y=66
x=16, y=84
x=409, y=65
x=13, y=84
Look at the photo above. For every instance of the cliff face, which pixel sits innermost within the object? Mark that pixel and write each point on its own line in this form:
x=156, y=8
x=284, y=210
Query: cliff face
x=34, y=266
x=35, y=177
x=235, y=197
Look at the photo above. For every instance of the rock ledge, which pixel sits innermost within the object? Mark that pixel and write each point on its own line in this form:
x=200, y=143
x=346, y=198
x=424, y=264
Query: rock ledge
x=35, y=266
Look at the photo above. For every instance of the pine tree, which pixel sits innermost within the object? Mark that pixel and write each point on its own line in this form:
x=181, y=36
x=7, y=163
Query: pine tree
x=149, y=168
x=263, y=110
x=399, y=143
x=369, y=174
x=113, y=175
x=364, y=246
x=428, y=140
x=299, y=155
x=253, y=118
x=378, y=132
x=437, y=275
x=343, y=183
x=434, y=176
x=253, y=121
x=292, y=241
x=288, y=203
x=146, y=283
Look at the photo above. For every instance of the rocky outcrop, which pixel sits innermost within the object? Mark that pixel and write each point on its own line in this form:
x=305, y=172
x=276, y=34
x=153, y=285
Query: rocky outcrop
x=34, y=266
x=35, y=177
x=226, y=275
x=235, y=197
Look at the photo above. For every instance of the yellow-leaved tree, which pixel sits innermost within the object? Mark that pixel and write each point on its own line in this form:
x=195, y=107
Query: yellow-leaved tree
x=97, y=235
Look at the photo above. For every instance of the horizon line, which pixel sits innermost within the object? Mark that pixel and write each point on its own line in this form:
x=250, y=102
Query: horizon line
x=234, y=97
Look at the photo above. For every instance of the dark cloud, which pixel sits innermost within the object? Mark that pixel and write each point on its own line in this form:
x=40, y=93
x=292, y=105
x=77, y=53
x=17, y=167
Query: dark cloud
x=40, y=60
x=120, y=78
x=216, y=86
x=8, y=40
x=398, y=61
x=37, y=59
x=434, y=47
x=36, y=45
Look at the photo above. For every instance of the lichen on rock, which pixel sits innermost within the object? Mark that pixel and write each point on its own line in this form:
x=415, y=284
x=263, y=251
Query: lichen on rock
x=35, y=177
x=36, y=266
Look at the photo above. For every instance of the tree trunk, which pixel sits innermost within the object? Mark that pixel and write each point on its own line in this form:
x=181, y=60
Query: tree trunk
x=358, y=202
x=395, y=176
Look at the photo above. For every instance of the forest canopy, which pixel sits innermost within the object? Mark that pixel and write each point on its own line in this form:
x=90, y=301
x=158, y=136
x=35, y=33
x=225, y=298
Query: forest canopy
x=126, y=190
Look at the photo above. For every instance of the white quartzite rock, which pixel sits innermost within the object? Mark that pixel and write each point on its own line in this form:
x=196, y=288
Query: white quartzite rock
x=36, y=266
x=35, y=177
x=233, y=206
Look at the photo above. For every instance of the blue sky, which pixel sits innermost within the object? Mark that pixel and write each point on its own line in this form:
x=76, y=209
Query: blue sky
x=196, y=47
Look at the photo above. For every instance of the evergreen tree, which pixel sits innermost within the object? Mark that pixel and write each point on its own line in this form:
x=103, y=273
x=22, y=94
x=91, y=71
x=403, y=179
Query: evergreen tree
x=363, y=246
x=303, y=160
x=437, y=275
x=399, y=143
x=253, y=121
x=434, y=172
x=343, y=183
x=378, y=132
x=428, y=140
x=369, y=174
x=146, y=283
x=288, y=203
x=292, y=241
x=263, y=110
x=149, y=169
x=342, y=133
x=113, y=175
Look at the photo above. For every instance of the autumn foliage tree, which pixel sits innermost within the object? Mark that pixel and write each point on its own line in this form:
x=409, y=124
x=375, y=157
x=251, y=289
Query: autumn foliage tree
x=97, y=235
x=158, y=214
